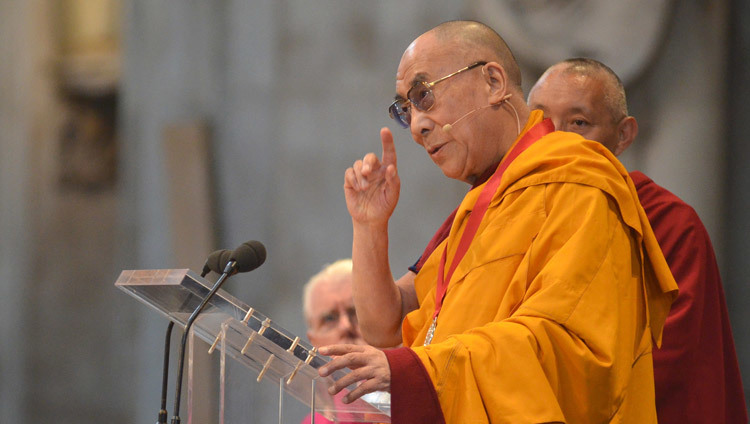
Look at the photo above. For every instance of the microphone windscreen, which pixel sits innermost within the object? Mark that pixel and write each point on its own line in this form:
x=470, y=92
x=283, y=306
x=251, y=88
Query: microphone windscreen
x=249, y=255
x=447, y=127
x=217, y=260
x=226, y=256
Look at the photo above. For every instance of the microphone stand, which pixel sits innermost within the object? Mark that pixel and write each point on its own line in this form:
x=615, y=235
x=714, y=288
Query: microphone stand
x=165, y=376
x=162, y=419
x=228, y=270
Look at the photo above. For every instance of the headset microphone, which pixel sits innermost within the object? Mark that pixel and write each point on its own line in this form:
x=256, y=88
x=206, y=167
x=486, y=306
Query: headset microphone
x=449, y=127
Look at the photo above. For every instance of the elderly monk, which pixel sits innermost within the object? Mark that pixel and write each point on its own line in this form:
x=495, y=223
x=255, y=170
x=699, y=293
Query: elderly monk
x=542, y=303
x=696, y=370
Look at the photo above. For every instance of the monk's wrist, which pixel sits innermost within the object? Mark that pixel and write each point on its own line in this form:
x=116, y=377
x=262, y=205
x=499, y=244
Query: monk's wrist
x=372, y=229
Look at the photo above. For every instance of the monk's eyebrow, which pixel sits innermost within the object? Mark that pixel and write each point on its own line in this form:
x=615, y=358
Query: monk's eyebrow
x=579, y=109
x=420, y=77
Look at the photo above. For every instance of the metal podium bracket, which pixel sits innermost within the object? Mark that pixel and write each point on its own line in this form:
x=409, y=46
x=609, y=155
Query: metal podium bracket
x=310, y=355
x=244, y=321
x=266, y=323
x=265, y=368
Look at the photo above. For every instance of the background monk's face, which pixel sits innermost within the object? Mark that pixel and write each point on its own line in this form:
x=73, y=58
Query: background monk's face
x=576, y=103
x=464, y=152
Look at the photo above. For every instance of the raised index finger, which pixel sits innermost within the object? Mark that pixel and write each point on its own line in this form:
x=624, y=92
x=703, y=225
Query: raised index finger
x=389, y=149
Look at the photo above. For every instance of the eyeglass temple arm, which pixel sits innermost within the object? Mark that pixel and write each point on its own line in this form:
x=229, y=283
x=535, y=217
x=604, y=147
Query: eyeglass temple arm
x=473, y=65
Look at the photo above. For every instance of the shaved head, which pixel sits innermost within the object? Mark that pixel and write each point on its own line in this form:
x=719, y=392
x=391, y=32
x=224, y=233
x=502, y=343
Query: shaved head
x=614, y=91
x=586, y=97
x=476, y=36
x=476, y=110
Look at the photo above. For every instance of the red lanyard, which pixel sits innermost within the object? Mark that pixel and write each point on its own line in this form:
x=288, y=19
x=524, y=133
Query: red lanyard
x=480, y=208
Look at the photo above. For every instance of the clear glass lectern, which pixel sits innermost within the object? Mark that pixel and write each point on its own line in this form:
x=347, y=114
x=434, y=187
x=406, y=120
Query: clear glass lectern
x=253, y=342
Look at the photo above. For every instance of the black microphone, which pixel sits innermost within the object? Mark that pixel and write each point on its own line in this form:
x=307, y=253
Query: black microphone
x=215, y=262
x=246, y=257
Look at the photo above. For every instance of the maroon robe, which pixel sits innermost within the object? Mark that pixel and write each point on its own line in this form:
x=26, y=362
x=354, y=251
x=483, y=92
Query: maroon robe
x=697, y=378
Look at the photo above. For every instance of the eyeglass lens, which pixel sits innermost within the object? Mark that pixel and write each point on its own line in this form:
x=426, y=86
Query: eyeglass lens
x=420, y=95
x=400, y=112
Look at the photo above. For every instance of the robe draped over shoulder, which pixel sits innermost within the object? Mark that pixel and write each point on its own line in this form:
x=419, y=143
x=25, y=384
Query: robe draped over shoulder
x=551, y=314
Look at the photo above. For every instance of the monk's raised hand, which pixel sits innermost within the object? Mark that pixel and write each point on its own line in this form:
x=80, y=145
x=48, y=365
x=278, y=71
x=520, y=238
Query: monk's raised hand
x=369, y=365
x=372, y=185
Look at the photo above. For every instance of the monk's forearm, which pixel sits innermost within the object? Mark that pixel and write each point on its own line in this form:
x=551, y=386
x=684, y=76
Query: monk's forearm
x=376, y=296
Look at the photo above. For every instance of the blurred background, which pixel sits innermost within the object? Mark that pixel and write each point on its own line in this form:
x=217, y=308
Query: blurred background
x=139, y=134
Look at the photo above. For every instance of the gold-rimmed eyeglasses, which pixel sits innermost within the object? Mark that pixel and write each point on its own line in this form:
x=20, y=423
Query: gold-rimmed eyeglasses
x=421, y=96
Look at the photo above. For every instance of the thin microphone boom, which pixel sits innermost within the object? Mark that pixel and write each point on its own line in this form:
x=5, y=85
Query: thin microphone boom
x=245, y=258
x=178, y=388
x=215, y=259
x=449, y=127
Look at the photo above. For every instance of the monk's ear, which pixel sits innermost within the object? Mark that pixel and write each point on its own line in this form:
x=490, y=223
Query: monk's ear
x=627, y=130
x=497, y=81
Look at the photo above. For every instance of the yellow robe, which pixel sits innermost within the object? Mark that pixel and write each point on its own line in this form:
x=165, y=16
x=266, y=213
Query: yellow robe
x=551, y=313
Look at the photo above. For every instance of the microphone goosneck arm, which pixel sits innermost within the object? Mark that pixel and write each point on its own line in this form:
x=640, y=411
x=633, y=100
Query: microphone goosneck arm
x=247, y=257
x=214, y=260
x=178, y=388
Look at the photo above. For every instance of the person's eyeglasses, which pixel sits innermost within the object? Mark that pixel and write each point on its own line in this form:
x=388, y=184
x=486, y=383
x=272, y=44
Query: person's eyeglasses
x=421, y=96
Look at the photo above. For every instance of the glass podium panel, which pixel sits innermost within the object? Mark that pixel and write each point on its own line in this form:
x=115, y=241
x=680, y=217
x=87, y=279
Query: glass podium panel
x=251, y=340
